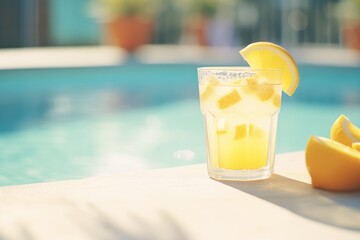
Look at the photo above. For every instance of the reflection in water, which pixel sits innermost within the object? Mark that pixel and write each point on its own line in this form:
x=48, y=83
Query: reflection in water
x=69, y=145
x=336, y=209
x=184, y=155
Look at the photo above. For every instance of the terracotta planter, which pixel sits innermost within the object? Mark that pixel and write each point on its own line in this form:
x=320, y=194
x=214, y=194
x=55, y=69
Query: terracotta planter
x=130, y=32
x=197, y=30
x=351, y=33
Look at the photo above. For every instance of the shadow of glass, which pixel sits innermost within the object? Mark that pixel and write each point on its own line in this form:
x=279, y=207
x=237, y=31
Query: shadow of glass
x=333, y=208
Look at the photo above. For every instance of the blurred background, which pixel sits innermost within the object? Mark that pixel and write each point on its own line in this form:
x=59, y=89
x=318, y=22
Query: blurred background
x=34, y=23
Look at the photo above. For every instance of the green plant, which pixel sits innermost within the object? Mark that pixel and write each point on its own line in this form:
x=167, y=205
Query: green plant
x=205, y=7
x=349, y=10
x=115, y=8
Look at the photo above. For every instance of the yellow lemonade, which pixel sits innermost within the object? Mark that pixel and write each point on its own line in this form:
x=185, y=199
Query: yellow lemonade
x=240, y=112
x=240, y=106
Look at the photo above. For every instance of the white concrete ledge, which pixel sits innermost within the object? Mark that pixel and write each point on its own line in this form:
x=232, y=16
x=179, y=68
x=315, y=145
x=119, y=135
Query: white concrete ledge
x=306, y=54
x=53, y=57
x=57, y=57
x=181, y=203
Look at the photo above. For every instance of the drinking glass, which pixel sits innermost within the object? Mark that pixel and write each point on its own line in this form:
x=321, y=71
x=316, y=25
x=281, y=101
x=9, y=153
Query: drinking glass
x=240, y=106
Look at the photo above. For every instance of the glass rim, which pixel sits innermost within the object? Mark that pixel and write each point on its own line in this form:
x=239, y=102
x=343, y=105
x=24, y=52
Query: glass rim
x=227, y=75
x=238, y=69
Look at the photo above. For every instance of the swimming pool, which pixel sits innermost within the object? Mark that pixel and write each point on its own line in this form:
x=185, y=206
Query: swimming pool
x=68, y=123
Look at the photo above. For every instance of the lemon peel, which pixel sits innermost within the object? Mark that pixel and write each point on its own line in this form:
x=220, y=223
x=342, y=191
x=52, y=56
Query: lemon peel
x=344, y=131
x=356, y=146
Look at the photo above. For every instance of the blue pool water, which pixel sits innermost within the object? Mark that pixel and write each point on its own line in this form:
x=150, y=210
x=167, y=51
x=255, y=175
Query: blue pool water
x=59, y=124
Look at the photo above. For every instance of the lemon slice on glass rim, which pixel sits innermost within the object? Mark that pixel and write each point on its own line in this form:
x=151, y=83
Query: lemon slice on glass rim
x=267, y=55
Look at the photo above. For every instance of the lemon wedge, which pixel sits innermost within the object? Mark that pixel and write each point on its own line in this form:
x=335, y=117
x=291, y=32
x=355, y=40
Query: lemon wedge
x=332, y=166
x=266, y=55
x=228, y=100
x=244, y=130
x=344, y=131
